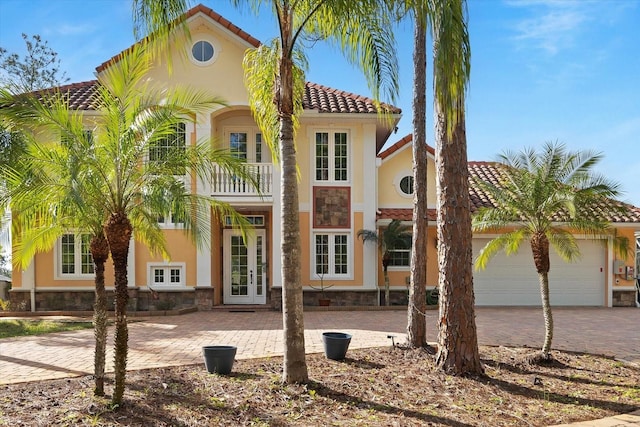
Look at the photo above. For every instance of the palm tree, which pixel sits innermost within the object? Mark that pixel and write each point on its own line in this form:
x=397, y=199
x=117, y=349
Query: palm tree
x=119, y=178
x=275, y=81
x=37, y=226
x=395, y=236
x=544, y=197
x=457, y=338
x=416, y=324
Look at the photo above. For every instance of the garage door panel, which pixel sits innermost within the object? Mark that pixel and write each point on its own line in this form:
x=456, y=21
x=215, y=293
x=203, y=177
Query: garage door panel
x=513, y=280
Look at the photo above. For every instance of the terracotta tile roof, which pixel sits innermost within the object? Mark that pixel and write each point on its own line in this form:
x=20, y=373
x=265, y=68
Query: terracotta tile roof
x=403, y=214
x=316, y=97
x=79, y=95
x=328, y=100
x=401, y=143
x=490, y=172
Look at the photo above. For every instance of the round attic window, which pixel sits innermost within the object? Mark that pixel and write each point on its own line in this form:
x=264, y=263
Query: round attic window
x=202, y=51
x=406, y=185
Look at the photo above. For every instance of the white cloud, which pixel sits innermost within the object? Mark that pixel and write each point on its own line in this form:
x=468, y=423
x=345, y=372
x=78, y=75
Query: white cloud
x=70, y=30
x=553, y=26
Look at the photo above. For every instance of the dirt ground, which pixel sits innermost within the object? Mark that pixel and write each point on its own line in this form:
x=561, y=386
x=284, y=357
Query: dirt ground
x=371, y=387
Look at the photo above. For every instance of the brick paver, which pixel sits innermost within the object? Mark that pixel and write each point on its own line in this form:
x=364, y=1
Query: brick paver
x=177, y=340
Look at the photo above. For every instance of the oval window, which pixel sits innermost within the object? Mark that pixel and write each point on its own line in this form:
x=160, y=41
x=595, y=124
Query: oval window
x=202, y=51
x=406, y=185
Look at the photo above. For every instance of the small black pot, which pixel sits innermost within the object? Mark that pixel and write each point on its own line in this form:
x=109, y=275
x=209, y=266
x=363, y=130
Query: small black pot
x=219, y=358
x=336, y=344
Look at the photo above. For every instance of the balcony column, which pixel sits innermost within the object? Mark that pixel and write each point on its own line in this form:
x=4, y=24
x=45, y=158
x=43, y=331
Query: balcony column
x=202, y=131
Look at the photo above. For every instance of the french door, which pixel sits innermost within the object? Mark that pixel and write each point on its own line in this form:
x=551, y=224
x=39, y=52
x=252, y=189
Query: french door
x=244, y=272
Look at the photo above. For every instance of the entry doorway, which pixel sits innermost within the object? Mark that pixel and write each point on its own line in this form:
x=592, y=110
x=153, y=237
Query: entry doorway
x=244, y=273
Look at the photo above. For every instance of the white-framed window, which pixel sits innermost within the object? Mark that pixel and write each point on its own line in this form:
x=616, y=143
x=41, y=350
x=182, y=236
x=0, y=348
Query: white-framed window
x=404, y=184
x=203, y=51
x=88, y=135
x=332, y=156
x=637, y=256
x=400, y=259
x=73, y=256
x=162, y=149
x=247, y=144
x=332, y=255
x=166, y=274
x=171, y=220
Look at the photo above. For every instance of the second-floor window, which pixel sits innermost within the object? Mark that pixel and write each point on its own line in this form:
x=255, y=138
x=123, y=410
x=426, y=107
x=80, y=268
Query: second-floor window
x=332, y=156
x=247, y=146
x=74, y=256
x=162, y=149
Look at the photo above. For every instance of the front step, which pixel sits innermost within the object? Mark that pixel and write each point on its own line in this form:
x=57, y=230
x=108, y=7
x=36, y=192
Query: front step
x=242, y=308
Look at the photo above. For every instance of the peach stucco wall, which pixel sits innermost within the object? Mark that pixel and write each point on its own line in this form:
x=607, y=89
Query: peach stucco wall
x=180, y=248
x=392, y=170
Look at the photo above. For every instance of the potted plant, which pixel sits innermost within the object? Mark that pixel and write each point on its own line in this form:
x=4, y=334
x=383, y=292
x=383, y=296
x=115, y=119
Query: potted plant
x=323, y=301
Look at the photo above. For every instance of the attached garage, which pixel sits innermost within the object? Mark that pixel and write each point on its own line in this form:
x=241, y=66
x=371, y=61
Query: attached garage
x=512, y=280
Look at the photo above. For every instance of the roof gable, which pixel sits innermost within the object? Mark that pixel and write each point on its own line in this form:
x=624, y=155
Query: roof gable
x=402, y=145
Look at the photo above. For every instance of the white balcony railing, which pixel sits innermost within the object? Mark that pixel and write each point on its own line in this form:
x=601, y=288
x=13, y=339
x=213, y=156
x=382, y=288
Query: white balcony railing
x=224, y=184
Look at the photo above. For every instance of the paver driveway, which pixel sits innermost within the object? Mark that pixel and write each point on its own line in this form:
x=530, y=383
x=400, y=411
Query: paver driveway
x=177, y=340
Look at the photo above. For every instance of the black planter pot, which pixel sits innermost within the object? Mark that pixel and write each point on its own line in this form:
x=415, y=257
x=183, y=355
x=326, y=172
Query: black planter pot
x=336, y=344
x=219, y=358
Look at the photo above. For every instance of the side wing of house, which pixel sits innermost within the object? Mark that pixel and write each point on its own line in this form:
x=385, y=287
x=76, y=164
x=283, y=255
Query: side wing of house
x=395, y=201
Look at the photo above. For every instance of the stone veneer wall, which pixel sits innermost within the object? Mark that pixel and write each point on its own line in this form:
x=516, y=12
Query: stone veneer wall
x=624, y=298
x=343, y=298
x=139, y=300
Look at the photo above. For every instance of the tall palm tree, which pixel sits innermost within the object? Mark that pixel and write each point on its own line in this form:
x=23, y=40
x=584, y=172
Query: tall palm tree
x=394, y=236
x=544, y=197
x=275, y=80
x=119, y=178
x=47, y=204
x=457, y=337
x=421, y=14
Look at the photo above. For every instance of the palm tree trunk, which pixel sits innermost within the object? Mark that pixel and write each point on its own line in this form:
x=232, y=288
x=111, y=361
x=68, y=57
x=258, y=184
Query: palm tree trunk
x=100, y=252
x=540, y=250
x=416, y=322
x=458, y=352
x=118, y=232
x=294, y=364
x=548, y=316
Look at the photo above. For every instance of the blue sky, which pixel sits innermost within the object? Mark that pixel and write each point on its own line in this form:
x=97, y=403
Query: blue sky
x=542, y=70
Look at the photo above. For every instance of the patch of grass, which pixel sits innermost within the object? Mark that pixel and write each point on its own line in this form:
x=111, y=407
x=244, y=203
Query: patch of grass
x=25, y=327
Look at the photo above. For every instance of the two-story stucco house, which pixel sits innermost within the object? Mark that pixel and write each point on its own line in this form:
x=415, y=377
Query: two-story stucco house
x=347, y=183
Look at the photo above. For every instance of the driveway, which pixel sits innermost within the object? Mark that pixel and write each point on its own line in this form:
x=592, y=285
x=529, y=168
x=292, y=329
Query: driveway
x=177, y=340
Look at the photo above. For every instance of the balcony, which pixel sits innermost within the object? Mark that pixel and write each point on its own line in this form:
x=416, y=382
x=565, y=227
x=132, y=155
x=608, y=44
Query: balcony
x=232, y=188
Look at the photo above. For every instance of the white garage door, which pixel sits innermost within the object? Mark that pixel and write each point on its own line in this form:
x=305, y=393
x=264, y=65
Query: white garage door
x=512, y=280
